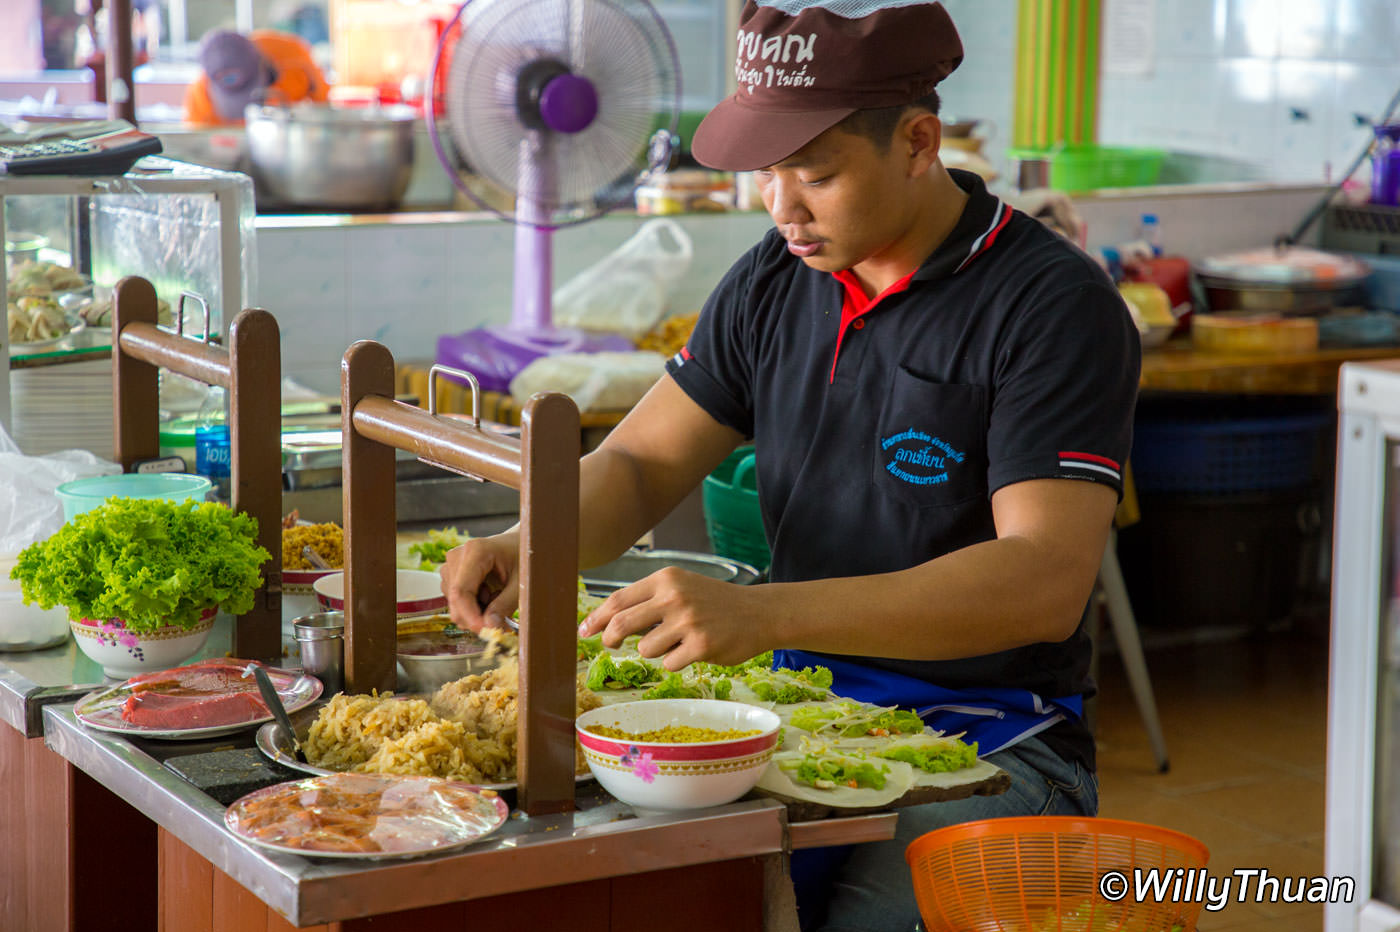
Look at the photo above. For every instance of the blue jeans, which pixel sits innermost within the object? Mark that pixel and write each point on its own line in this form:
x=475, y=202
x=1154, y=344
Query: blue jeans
x=871, y=891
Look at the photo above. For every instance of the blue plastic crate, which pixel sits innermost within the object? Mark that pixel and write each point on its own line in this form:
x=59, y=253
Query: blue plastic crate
x=1228, y=456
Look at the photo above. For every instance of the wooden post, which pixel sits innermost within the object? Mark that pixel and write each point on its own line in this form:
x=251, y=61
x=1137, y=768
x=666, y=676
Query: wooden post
x=371, y=635
x=135, y=382
x=548, y=602
x=255, y=477
x=120, y=63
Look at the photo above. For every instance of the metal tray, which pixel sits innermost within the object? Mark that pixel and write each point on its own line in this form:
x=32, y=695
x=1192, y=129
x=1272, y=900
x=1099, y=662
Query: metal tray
x=638, y=564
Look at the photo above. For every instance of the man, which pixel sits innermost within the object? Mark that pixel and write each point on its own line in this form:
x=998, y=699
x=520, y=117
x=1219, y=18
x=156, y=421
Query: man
x=940, y=391
x=264, y=66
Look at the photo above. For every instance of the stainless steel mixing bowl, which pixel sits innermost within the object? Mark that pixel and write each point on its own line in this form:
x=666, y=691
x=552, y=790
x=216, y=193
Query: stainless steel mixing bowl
x=314, y=155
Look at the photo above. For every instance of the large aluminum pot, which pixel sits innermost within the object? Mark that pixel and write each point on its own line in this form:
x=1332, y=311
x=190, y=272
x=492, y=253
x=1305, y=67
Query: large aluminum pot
x=314, y=155
x=1294, y=281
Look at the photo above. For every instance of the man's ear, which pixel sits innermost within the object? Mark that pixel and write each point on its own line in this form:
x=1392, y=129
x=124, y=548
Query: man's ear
x=920, y=134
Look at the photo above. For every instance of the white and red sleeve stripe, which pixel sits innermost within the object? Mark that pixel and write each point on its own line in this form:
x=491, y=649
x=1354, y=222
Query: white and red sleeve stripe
x=1073, y=461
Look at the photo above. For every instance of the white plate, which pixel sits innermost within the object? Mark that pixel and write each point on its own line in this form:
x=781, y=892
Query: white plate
x=42, y=346
x=102, y=709
x=437, y=815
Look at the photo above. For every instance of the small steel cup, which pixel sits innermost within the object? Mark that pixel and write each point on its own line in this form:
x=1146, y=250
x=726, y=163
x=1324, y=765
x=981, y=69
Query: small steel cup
x=321, y=638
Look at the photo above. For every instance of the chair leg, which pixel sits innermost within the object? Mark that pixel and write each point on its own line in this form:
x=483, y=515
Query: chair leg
x=1125, y=633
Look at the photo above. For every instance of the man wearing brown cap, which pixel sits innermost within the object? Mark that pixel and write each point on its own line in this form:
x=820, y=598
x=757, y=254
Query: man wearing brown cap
x=940, y=392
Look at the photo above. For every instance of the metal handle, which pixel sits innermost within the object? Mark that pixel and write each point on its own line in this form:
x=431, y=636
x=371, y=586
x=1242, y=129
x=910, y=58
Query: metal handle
x=433, y=373
x=180, y=314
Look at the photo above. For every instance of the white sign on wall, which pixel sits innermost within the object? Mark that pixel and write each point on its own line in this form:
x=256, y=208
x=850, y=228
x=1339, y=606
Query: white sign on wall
x=1129, y=37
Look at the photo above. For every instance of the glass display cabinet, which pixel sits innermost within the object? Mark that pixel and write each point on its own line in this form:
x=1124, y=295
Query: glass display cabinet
x=68, y=239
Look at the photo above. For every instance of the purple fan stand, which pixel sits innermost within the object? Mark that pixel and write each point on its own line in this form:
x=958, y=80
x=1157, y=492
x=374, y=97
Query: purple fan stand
x=568, y=103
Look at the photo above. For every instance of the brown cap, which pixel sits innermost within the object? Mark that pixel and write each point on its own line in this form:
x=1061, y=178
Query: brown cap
x=805, y=65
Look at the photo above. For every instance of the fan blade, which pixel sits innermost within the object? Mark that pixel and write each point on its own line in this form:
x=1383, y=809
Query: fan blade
x=617, y=48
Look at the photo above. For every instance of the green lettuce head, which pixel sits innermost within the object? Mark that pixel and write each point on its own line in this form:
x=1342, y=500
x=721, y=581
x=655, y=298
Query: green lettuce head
x=147, y=561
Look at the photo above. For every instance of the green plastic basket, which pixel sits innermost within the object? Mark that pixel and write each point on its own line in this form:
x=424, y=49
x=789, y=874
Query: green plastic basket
x=1090, y=167
x=732, y=518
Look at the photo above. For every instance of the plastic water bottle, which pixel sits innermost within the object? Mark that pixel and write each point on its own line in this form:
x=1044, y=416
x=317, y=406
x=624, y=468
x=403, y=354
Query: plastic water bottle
x=1150, y=232
x=213, y=451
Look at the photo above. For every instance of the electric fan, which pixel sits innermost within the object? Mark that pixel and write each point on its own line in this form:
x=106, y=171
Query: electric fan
x=557, y=108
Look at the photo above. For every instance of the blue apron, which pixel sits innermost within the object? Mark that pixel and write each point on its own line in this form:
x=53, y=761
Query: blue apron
x=996, y=718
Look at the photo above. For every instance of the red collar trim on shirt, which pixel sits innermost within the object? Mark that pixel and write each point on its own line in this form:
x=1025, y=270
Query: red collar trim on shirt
x=854, y=303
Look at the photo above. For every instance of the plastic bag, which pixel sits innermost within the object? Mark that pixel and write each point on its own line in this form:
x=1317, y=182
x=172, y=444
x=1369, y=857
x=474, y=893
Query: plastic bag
x=29, y=509
x=626, y=292
x=596, y=381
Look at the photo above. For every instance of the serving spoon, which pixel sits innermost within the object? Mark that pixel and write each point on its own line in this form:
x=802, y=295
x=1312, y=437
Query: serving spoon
x=274, y=703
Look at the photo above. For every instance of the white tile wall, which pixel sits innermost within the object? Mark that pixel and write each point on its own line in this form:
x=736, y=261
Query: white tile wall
x=406, y=283
x=1225, y=77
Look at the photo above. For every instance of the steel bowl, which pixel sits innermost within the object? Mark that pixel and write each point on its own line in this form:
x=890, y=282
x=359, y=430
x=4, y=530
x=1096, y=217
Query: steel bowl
x=314, y=155
x=1296, y=281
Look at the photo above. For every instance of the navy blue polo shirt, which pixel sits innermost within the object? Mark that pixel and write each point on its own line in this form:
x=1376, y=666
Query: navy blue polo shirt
x=882, y=427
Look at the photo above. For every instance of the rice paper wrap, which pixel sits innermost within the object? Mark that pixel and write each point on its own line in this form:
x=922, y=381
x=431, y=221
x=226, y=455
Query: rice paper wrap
x=776, y=781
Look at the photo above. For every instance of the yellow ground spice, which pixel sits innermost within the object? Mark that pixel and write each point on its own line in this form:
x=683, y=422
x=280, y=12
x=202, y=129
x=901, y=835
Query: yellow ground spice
x=671, y=734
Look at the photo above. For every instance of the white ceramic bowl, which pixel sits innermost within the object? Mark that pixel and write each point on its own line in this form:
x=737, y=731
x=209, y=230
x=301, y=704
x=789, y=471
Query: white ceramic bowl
x=418, y=593
x=669, y=776
x=122, y=654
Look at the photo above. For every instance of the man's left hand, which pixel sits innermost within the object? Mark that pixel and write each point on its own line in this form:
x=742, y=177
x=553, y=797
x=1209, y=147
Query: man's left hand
x=685, y=616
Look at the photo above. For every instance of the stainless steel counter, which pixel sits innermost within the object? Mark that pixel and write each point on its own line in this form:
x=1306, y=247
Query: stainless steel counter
x=603, y=839
x=30, y=680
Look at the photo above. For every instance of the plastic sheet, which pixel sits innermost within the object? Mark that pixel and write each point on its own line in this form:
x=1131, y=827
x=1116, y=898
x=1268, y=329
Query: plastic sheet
x=357, y=815
x=626, y=292
x=29, y=509
x=596, y=381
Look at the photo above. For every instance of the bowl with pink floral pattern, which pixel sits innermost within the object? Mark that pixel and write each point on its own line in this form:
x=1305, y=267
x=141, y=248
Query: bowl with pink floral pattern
x=669, y=754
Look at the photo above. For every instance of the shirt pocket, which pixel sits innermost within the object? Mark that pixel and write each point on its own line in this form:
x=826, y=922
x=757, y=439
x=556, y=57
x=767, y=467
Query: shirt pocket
x=930, y=449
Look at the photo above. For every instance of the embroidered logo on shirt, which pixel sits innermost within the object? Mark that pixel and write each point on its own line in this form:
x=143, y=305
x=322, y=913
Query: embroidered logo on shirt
x=918, y=458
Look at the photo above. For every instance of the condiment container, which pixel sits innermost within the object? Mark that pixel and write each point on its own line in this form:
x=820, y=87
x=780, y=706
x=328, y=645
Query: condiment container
x=321, y=638
x=685, y=191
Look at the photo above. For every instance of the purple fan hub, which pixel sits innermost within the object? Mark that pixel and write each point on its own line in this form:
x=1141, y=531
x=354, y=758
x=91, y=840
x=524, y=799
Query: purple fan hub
x=569, y=103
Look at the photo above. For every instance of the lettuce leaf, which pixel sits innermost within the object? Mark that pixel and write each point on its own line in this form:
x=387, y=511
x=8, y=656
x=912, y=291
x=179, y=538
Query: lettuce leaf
x=785, y=686
x=432, y=553
x=147, y=561
x=762, y=662
x=684, y=686
x=829, y=771
x=590, y=647
x=932, y=753
x=846, y=718
x=606, y=673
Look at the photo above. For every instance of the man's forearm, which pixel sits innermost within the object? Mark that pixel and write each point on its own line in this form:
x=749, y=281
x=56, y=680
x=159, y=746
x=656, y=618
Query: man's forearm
x=615, y=508
x=986, y=598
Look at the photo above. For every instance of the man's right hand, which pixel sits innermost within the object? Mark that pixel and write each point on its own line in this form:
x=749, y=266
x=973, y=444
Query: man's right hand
x=481, y=580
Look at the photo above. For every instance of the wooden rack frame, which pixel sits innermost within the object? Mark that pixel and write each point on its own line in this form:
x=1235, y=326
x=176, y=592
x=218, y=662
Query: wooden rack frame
x=251, y=370
x=543, y=466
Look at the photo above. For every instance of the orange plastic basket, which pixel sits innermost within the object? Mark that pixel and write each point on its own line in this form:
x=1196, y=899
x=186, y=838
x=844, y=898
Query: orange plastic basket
x=1046, y=874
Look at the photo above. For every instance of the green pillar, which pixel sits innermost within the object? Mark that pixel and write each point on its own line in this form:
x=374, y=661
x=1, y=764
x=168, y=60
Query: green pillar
x=1057, y=73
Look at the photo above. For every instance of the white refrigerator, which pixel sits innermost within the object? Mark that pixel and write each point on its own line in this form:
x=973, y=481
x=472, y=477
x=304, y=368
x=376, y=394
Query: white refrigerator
x=1363, y=714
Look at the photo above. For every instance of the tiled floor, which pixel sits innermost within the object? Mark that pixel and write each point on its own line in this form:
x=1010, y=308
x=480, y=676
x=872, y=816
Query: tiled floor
x=1245, y=723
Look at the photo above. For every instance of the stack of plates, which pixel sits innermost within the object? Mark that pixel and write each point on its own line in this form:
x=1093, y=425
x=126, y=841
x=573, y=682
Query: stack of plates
x=63, y=408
